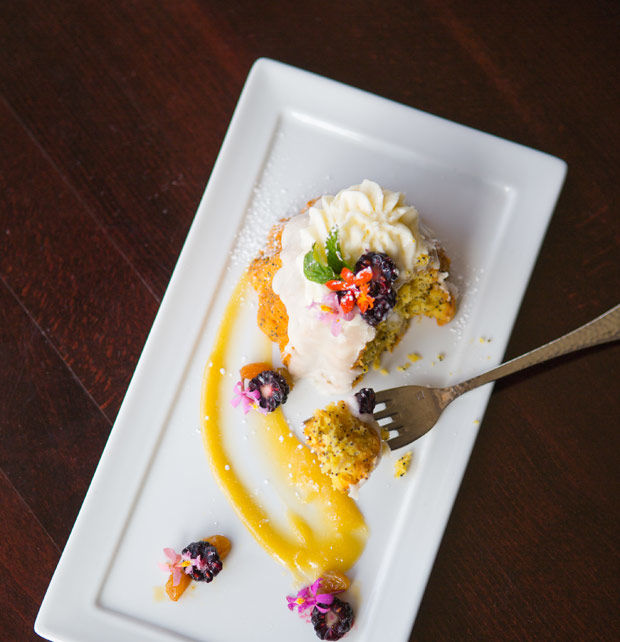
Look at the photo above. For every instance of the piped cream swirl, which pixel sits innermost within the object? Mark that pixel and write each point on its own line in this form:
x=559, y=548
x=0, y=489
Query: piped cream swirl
x=368, y=218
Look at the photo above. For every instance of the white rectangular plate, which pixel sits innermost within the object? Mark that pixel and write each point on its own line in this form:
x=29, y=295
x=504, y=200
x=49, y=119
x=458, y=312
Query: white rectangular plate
x=295, y=136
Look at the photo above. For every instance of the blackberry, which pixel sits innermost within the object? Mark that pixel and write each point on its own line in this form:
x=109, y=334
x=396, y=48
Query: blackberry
x=383, y=268
x=366, y=400
x=384, y=301
x=335, y=623
x=205, y=561
x=272, y=387
x=384, y=273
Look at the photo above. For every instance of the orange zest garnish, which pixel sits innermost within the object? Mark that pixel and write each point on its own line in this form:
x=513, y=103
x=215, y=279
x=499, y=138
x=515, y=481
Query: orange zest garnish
x=364, y=300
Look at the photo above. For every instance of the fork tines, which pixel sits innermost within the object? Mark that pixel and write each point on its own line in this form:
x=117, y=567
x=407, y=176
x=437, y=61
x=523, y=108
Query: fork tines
x=385, y=397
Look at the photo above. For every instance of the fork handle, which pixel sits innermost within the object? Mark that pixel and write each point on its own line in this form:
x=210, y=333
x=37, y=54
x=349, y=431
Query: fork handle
x=600, y=330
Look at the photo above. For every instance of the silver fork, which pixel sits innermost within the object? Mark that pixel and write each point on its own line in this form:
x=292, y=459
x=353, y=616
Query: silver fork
x=414, y=410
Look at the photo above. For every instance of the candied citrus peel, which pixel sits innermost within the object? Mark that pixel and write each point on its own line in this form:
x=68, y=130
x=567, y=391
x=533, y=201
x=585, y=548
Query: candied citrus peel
x=175, y=592
x=251, y=370
x=334, y=582
x=221, y=543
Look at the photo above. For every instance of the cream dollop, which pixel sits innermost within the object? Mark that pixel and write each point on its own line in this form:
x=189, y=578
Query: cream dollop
x=368, y=218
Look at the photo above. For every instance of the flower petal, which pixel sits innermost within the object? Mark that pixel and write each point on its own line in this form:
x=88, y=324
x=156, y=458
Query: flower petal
x=172, y=555
x=325, y=598
x=176, y=575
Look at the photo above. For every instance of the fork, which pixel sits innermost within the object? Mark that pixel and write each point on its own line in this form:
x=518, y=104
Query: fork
x=413, y=410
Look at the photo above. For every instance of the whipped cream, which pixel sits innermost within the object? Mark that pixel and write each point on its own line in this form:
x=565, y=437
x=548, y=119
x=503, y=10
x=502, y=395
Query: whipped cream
x=368, y=218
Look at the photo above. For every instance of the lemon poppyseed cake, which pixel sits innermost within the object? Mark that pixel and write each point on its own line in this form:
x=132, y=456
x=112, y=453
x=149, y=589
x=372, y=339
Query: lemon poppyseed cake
x=346, y=444
x=339, y=283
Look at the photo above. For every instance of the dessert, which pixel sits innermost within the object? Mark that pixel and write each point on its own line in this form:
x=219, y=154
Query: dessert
x=339, y=283
x=337, y=286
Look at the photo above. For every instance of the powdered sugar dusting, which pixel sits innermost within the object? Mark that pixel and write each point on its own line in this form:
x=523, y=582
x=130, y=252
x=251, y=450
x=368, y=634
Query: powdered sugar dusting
x=272, y=200
x=467, y=286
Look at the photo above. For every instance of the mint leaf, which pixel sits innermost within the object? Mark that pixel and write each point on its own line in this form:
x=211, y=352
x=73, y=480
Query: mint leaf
x=333, y=252
x=314, y=270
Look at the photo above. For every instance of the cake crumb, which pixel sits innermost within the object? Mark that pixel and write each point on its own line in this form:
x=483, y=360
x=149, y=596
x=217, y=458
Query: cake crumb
x=476, y=421
x=404, y=367
x=383, y=371
x=441, y=356
x=402, y=464
x=414, y=356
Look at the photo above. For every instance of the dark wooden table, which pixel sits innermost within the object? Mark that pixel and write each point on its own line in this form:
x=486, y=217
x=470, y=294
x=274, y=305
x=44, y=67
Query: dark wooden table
x=111, y=116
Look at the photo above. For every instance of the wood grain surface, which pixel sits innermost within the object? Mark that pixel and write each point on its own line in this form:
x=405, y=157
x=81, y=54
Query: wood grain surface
x=111, y=117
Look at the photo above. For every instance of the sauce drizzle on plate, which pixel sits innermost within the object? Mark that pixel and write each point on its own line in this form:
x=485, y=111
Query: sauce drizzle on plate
x=337, y=535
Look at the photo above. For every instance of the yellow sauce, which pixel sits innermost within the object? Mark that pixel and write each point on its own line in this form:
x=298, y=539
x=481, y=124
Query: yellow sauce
x=336, y=538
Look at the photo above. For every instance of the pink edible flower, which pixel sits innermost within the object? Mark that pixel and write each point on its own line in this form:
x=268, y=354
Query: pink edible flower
x=174, y=565
x=192, y=562
x=308, y=598
x=247, y=398
x=331, y=312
